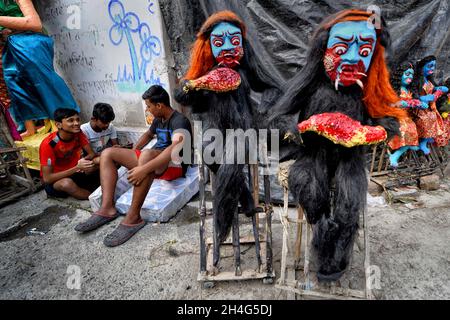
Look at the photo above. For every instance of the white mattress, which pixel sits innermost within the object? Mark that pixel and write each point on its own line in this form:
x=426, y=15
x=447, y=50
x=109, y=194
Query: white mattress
x=164, y=199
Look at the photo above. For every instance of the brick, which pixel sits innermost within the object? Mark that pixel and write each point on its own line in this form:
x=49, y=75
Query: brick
x=374, y=189
x=430, y=183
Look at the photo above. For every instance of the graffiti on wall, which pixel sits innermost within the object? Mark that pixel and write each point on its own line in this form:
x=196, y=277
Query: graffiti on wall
x=138, y=73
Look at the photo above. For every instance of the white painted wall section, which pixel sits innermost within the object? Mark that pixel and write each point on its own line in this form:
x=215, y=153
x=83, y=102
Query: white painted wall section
x=109, y=51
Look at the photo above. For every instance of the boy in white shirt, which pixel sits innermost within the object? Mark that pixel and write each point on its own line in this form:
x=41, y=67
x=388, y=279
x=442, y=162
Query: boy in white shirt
x=99, y=131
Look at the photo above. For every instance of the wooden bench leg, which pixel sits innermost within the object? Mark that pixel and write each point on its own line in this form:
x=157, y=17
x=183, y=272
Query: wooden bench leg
x=257, y=243
x=216, y=247
x=236, y=245
x=298, y=240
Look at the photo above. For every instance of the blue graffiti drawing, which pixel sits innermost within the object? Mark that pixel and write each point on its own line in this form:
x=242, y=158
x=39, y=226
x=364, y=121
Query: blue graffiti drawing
x=150, y=5
x=140, y=75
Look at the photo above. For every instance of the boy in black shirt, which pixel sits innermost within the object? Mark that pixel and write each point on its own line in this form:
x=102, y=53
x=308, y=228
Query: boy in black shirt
x=171, y=129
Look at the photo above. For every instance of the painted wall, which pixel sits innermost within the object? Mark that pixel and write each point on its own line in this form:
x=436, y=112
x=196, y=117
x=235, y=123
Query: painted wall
x=109, y=51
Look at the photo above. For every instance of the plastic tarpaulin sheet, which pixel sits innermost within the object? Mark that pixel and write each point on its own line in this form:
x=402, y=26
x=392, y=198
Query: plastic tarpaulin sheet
x=280, y=30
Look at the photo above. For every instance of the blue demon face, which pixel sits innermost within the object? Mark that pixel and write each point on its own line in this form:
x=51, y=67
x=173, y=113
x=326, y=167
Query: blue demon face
x=226, y=44
x=349, y=52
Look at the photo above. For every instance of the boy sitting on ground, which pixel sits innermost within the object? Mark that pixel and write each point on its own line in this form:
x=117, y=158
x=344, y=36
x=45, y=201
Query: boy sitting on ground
x=171, y=129
x=99, y=131
x=63, y=170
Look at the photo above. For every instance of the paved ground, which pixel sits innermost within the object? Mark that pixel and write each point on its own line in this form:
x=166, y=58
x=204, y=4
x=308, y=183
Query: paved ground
x=409, y=244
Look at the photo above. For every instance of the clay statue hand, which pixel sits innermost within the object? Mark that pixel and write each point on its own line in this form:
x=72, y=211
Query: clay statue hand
x=404, y=104
x=427, y=98
x=424, y=105
x=444, y=89
x=187, y=86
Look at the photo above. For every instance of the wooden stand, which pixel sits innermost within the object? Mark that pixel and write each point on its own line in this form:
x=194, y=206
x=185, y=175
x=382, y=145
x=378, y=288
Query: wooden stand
x=15, y=178
x=297, y=278
x=209, y=251
x=413, y=166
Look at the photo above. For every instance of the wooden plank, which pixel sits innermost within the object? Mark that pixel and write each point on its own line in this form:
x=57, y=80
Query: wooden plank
x=14, y=196
x=340, y=295
x=284, y=250
x=374, y=154
x=247, y=274
x=380, y=162
x=236, y=244
x=11, y=150
x=243, y=240
x=368, y=291
x=231, y=276
x=298, y=240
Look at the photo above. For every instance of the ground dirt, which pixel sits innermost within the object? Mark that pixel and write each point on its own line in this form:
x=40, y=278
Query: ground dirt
x=408, y=244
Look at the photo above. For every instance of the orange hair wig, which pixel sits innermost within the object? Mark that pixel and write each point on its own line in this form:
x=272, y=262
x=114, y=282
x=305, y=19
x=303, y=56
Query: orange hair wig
x=202, y=59
x=379, y=96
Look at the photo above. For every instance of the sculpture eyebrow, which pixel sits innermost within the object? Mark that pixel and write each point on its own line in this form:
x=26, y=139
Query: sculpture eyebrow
x=368, y=39
x=234, y=33
x=345, y=39
x=218, y=35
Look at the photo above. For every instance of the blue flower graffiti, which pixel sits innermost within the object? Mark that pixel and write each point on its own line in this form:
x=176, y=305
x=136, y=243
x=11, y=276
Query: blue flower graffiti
x=150, y=6
x=143, y=48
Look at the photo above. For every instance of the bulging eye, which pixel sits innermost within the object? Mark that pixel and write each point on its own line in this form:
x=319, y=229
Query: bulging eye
x=217, y=42
x=235, y=41
x=340, y=49
x=365, y=51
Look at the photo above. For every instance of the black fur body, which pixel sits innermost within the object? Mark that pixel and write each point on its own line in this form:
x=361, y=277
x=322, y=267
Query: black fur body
x=327, y=180
x=322, y=168
x=231, y=110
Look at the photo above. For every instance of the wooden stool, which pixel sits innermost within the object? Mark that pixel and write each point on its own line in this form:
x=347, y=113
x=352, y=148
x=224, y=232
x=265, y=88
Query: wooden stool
x=304, y=283
x=261, y=239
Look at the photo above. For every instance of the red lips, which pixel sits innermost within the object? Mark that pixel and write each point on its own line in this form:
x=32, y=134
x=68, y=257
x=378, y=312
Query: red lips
x=230, y=58
x=350, y=73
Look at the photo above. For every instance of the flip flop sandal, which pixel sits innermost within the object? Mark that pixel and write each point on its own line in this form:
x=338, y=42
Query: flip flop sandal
x=122, y=234
x=94, y=222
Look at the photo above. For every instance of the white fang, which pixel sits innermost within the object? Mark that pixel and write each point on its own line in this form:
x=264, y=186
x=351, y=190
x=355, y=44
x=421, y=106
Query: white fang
x=359, y=82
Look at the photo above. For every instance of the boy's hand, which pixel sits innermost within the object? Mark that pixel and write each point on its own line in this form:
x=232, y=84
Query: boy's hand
x=84, y=164
x=136, y=175
x=96, y=161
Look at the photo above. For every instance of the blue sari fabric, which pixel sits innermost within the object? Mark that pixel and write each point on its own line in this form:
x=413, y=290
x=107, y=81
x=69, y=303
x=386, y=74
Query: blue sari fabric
x=35, y=89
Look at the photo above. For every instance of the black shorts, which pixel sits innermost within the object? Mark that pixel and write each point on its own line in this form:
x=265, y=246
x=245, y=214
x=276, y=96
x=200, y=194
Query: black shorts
x=88, y=182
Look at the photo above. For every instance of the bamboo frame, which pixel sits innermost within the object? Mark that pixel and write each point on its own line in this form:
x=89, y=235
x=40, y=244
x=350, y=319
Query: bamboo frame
x=305, y=289
x=210, y=249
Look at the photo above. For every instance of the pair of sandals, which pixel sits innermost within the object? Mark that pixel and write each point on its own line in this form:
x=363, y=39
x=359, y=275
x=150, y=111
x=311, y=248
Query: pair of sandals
x=120, y=235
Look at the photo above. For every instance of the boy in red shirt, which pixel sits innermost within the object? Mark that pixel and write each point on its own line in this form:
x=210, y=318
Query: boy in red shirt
x=63, y=170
